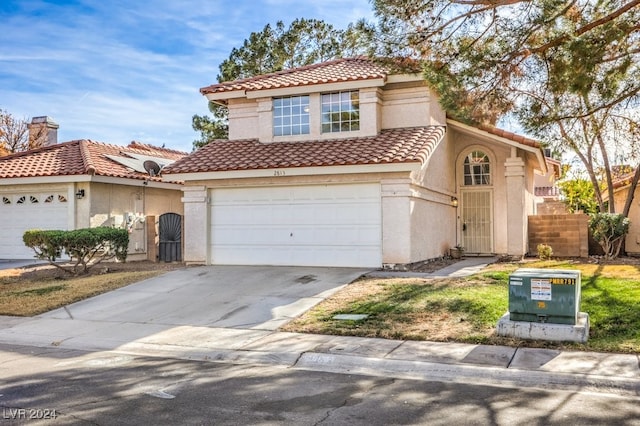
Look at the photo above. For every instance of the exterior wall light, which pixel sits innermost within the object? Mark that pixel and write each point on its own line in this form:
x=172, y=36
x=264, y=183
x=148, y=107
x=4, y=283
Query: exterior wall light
x=80, y=194
x=454, y=201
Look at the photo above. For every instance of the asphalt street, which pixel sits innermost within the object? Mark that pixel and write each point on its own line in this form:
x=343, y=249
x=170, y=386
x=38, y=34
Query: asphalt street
x=201, y=346
x=51, y=386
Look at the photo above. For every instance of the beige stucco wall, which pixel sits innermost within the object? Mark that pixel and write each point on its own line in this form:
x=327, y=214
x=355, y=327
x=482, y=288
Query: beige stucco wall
x=410, y=105
x=112, y=204
x=432, y=226
x=544, y=179
x=433, y=217
x=243, y=119
x=196, y=224
x=632, y=242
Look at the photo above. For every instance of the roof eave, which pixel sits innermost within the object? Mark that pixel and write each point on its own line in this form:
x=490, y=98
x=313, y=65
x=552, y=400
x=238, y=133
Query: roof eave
x=34, y=180
x=222, y=96
x=147, y=183
x=297, y=171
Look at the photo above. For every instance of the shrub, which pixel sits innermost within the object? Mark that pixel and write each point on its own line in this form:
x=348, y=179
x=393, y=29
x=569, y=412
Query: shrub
x=86, y=247
x=609, y=230
x=544, y=251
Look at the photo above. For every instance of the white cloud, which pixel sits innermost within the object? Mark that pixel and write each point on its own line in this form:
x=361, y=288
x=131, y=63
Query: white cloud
x=117, y=70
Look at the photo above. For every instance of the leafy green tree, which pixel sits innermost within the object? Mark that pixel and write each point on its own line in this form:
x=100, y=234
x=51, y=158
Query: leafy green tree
x=211, y=128
x=304, y=42
x=609, y=229
x=568, y=69
x=579, y=195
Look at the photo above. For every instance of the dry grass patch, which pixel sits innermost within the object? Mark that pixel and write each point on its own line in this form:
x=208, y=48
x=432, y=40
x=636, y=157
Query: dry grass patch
x=468, y=309
x=37, y=289
x=412, y=309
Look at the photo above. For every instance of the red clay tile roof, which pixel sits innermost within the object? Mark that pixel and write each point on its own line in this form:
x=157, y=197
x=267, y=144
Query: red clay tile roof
x=345, y=69
x=390, y=146
x=510, y=135
x=80, y=157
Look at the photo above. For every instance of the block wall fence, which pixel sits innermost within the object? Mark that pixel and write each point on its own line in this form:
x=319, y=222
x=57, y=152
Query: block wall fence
x=567, y=234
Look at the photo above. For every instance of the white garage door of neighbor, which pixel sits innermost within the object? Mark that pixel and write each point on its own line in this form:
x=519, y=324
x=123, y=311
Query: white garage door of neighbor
x=20, y=212
x=320, y=225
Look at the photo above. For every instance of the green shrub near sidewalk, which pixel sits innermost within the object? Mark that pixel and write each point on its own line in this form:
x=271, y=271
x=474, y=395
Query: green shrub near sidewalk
x=86, y=247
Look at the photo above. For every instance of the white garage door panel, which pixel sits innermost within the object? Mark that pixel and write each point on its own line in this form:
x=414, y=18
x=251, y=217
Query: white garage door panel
x=21, y=212
x=332, y=225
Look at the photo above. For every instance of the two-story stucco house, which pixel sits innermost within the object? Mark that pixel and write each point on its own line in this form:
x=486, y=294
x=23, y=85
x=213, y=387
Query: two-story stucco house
x=343, y=163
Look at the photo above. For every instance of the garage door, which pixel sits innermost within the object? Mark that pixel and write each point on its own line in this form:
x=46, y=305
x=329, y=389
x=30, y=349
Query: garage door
x=20, y=212
x=327, y=225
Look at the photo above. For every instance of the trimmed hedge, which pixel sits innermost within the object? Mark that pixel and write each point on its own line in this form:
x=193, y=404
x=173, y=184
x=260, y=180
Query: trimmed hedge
x=86, y=247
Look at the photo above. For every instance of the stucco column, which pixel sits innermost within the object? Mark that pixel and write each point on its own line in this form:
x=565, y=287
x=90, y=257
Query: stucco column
x=516, y=212
x=196, y=225
x=396, y=221
x=370, y=105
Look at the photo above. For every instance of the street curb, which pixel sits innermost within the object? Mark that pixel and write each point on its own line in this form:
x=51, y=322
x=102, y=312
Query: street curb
x=469, y=374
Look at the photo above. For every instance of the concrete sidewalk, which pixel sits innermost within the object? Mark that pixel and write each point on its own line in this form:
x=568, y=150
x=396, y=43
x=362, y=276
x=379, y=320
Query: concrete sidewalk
x=467, y=363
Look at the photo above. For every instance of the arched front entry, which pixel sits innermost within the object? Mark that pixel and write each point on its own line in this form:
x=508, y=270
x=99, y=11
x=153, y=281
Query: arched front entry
x=170, y=236
x=476, y=204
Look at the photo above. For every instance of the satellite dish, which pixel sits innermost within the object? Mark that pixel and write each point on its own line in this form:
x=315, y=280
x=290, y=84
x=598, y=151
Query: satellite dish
x=152, y=168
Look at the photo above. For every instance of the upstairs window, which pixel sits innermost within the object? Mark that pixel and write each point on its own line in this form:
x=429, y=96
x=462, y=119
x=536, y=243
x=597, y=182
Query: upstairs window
x=291, y=116
x=340, y=112
x=477, y=169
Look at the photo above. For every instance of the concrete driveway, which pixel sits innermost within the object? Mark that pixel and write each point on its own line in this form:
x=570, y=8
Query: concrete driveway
x=243, y=297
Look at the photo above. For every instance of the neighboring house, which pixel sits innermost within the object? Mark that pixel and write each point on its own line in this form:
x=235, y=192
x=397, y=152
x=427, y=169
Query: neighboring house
x=81, y=184
x=346, y=164
x=548, y=195
x=545, y=184
x=621, y=189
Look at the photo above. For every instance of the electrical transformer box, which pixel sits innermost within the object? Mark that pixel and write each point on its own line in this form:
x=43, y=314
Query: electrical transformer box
x=544, y=295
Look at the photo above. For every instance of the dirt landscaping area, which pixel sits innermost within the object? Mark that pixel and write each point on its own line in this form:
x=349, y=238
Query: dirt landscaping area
x=36, y=289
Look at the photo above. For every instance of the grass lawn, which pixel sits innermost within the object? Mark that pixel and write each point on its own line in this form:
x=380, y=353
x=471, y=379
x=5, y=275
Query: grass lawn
x=34, y=290
x=468, y=309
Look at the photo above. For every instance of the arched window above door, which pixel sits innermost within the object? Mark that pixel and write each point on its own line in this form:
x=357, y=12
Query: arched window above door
x=477, y=169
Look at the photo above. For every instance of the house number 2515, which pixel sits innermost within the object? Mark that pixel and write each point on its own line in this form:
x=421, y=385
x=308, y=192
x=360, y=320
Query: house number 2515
x=278, y=173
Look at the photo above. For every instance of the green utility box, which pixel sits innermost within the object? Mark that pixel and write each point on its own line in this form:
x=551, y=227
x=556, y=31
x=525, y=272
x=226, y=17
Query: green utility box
x=544, y=295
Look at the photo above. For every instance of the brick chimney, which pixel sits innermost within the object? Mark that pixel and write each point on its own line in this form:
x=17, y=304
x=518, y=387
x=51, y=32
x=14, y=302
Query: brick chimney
x=43, y=131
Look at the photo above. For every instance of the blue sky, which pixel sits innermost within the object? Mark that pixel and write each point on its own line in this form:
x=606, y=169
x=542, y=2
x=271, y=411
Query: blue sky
x=121, y=70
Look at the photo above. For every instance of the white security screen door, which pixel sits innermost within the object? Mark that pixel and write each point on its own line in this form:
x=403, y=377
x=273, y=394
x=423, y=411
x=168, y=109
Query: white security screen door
x=477, y=221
